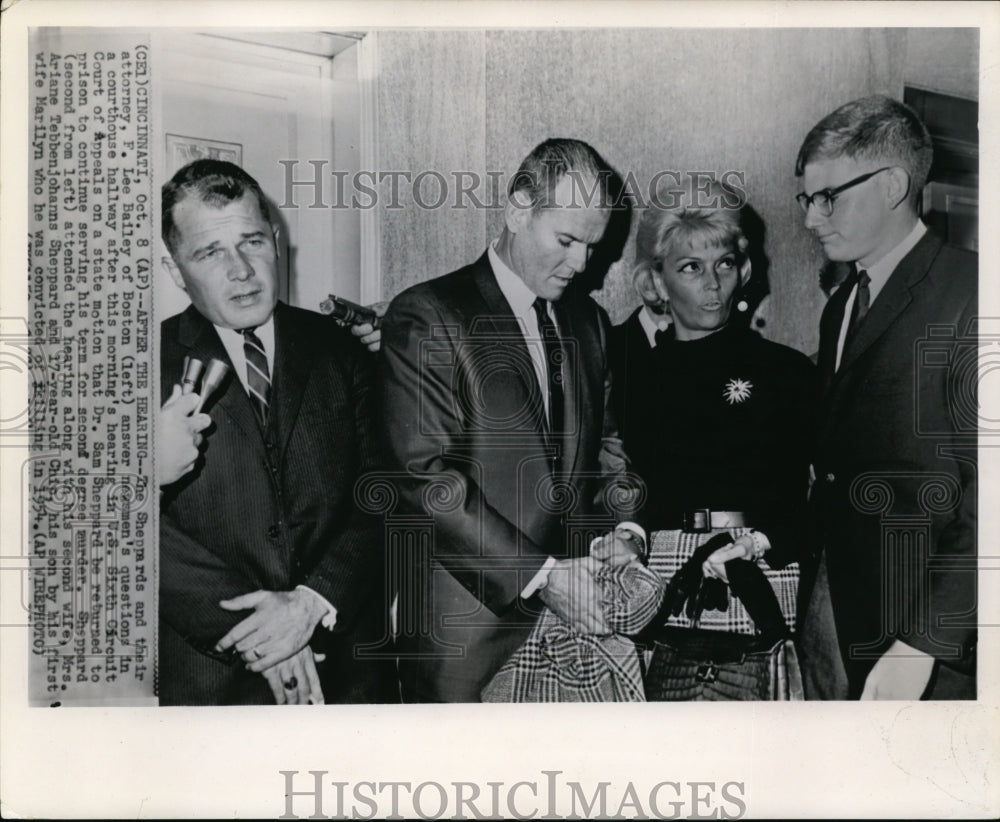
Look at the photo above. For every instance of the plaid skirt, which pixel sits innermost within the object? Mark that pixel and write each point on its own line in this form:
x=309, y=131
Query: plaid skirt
x=669, y=550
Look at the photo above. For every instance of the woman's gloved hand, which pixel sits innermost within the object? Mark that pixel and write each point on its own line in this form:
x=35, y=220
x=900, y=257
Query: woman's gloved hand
x=690, y=587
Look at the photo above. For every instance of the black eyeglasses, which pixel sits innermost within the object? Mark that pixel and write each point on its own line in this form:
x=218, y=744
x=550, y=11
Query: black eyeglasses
x=824, y=198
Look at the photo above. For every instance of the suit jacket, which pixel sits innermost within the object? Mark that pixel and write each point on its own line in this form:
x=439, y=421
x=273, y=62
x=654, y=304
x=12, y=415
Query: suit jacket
x=272, y=509
x=895, y=490
x=473, y=459
x=632, y=363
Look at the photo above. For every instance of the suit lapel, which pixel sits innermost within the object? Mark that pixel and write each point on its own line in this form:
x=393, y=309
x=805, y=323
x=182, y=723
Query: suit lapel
x=829, y=334
x=893, y=299
x=293, y=363
x=198, y=335
x=498, y=320
x=572, y=387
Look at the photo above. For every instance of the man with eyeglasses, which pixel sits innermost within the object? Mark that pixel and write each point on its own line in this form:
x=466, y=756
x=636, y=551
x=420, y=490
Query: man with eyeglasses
x=895, y=452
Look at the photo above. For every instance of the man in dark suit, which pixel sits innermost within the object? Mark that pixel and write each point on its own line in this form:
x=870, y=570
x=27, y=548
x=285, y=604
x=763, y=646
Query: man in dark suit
x=631, y=345
x=895, y=461
x=270, y=577
x=496, y=389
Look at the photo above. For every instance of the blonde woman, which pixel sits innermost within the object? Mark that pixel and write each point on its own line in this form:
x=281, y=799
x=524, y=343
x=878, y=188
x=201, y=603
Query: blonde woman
x=715, y=418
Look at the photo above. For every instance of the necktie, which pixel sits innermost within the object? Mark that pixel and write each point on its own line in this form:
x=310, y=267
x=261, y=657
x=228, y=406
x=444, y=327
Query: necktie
x=862, y=300
x=258, y=378
x=553, y=363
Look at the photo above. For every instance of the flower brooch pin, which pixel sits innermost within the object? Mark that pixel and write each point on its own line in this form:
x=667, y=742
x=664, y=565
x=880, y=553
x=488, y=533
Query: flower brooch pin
x=737, y=390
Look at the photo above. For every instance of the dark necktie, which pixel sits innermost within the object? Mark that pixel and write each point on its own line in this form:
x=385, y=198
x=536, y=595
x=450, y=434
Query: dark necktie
x=553, y=363
x=258, y=378
x=862, y=300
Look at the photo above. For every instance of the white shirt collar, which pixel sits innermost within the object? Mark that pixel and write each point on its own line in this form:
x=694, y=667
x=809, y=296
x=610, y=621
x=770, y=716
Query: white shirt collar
x=651, y=323
x=520, y=298
x=514, y=289
x=264, y=333
x=878, y=275
x=232, y=341
x=880, y=272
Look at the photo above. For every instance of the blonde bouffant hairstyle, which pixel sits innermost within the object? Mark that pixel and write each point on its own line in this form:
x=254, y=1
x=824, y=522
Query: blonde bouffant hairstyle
x=710, y=214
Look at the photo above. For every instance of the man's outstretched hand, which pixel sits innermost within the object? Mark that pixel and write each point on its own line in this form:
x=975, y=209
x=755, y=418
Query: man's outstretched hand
x=573, y=593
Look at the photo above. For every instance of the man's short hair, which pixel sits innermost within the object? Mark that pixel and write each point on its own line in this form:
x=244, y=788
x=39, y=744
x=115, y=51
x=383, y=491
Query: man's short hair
x=214, y=182
x=549, y=162
x=875, y=128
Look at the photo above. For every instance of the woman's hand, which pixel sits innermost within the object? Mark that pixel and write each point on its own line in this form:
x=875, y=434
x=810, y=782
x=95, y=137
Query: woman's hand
x=745, y=547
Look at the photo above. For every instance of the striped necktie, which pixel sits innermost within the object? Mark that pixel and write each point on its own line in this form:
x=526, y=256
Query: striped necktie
x=258, y=378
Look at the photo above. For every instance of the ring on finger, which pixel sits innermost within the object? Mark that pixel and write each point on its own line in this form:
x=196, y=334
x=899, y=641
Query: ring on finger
x=291, y=683
x=256, y=653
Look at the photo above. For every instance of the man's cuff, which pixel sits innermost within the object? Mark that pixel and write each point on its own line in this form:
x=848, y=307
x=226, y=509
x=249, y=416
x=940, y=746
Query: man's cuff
x=330, y=617
x=540, y=579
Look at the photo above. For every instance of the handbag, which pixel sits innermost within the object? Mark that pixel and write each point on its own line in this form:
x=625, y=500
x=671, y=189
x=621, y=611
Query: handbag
x=693, y=664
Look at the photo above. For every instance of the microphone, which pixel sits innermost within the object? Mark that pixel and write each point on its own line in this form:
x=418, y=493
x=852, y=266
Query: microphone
x=193, y=369
x=214, y=375
x=348, y=313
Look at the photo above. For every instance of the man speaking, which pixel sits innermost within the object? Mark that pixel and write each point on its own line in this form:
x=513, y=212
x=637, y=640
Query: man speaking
x=269, y=575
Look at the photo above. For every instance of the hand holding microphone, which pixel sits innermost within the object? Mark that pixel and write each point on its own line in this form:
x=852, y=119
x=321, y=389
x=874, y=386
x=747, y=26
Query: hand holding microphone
x=364, y=321
x=181, y=419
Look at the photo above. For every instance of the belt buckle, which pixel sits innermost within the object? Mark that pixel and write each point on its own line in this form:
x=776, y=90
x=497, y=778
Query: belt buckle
x=697, y=521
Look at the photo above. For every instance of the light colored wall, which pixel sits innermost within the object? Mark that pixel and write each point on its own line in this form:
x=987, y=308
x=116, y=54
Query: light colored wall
x=277, y=105
x=432, y=115
x=945, y=60
x=648, y=100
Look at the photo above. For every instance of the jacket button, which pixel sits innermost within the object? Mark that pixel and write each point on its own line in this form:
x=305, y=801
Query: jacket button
x=830, y=478
x=272, y=532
